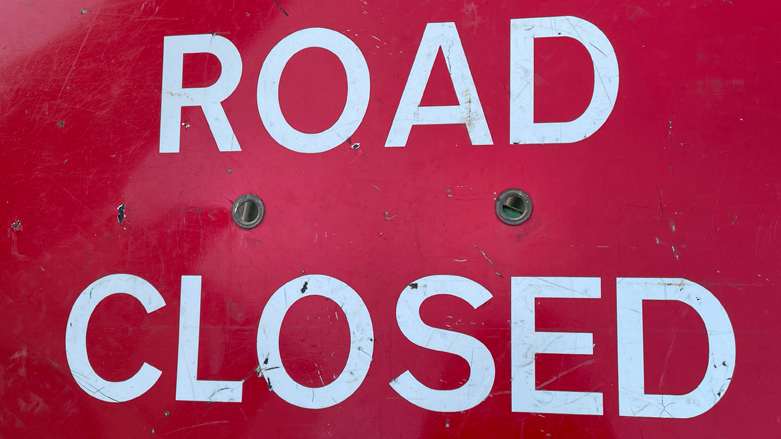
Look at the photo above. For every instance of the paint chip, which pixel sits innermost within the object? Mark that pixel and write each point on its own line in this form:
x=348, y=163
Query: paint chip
x=121, y=210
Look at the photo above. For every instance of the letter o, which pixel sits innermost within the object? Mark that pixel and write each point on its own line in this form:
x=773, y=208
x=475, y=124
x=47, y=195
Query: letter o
x=361, y=342
x=357, y=90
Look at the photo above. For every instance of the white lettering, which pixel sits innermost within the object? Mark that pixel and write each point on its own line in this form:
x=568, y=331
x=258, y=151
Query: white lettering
x=357, y=90
x=174, y=97
x=523, y=31
x=188, y=386
x=481, y=364
x=527, y=343
x=361, y=342
x=76, y=338
x=468, y=111
x=632, y=399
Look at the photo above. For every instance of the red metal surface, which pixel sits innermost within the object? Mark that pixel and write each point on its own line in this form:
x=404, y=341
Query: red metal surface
x=682, y=181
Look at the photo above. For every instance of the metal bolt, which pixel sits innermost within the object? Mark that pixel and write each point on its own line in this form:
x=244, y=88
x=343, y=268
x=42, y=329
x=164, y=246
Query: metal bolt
x=513, y=207
x=248, y=211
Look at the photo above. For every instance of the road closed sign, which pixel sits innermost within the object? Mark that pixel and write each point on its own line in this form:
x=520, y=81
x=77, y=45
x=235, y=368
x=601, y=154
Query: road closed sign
x=360, y=219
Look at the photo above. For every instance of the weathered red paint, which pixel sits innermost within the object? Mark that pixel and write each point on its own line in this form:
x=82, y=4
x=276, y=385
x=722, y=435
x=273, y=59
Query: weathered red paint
x=682, y=181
